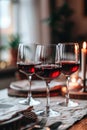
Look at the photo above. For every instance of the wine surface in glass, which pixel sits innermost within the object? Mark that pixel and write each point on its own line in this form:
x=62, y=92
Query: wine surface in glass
x=69, y=67
x=26, y=68
x=47, y=72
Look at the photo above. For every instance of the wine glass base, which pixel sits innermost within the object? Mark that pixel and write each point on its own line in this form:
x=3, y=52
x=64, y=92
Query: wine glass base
x=69, y=104
x=50, y=113
x=32, y=102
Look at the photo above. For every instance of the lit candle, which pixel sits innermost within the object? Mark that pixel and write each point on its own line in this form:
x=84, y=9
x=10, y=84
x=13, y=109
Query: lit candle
x=83, y=62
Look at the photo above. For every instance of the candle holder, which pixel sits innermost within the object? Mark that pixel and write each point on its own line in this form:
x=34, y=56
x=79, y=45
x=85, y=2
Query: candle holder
x=75, y=85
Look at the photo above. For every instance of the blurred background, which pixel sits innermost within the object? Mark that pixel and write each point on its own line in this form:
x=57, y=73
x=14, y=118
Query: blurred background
x=39, y=21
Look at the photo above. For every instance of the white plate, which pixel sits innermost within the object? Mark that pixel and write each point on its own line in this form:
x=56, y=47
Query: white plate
x=37, y=85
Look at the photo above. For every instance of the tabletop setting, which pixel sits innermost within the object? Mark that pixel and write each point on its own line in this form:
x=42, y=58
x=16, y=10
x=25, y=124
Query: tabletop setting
x=57, y=98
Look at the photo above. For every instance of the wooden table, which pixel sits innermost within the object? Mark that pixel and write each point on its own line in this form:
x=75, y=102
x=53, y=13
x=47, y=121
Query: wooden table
x=80, y=125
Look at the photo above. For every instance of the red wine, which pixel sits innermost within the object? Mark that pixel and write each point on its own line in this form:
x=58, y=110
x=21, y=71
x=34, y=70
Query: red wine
x=69, y=67
x=26, y=68
x=47, y=72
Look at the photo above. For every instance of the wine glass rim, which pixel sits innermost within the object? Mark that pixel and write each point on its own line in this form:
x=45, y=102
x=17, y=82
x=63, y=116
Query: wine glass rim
x=27, y=43
x=68, y=43
x=47, y=44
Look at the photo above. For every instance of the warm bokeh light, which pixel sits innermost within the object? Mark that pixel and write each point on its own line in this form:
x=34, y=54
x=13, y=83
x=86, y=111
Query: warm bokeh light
x=73, y=79
x=84, y=45
x=76, y=48
x=64, y=89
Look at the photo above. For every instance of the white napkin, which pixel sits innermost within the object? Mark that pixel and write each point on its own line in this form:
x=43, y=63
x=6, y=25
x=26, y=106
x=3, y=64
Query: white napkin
x=8, y=111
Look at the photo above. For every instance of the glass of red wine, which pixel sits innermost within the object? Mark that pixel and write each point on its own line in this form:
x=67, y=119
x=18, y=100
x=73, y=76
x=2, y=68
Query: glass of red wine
x=47, y=56
x=70, y=61
x=26, y=64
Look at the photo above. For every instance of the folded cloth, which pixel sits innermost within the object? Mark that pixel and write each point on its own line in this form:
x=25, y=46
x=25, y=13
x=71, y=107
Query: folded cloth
x=16, y=117
x=12, y=111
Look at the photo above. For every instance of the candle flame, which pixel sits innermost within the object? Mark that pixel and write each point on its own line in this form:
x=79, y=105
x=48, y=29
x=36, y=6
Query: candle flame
x=84, y=45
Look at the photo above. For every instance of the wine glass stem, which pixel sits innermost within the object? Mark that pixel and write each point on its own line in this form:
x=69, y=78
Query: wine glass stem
x=67, y=90
x=29, y=92
x=48, y=99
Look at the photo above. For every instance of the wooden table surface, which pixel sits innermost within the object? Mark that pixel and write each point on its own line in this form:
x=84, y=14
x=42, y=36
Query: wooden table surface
x=81, y=125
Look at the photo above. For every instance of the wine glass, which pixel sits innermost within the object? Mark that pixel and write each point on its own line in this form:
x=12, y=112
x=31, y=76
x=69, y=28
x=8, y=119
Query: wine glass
x=25, y=64
x=69, y=59
x=47, y=56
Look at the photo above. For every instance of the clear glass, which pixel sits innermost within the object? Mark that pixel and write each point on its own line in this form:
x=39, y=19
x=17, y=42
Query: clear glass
x=70, y=61
x=47, y=68
x=25, y=64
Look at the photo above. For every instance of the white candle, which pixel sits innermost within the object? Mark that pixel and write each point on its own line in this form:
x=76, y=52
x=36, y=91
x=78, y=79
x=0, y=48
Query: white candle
x=83, y=60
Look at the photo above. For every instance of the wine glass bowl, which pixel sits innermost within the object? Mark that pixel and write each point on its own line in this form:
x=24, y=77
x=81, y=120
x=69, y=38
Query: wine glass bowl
x=69, y=67
x=26, y=64
x=48, y=69
x=70, y=61
x=47, y=72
